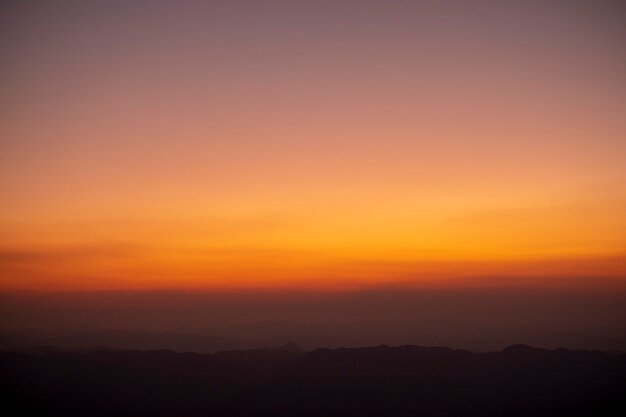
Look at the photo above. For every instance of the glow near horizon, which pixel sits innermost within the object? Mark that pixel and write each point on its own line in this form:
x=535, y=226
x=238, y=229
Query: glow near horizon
x=230, y=146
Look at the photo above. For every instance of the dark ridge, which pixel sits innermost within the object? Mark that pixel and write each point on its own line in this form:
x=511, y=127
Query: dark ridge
x=381, y=380
x=291, y=347
x=519, y=348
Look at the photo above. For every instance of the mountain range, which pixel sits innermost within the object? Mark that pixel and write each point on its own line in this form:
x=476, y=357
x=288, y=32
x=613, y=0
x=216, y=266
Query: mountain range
x=288, y=381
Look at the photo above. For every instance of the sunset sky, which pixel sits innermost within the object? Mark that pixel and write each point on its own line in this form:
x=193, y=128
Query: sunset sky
x=312, y=144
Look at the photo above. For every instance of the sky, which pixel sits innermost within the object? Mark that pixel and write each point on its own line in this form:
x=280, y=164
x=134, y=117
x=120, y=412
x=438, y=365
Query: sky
x=317, y=146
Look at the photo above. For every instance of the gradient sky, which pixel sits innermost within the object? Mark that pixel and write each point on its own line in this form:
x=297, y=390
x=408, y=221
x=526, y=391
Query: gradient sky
x=311, y=144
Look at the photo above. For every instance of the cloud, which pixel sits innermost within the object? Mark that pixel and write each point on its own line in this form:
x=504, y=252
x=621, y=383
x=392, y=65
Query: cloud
x=42, y=255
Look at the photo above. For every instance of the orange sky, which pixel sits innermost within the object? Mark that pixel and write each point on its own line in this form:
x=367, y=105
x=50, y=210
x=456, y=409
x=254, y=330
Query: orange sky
x=328, y=145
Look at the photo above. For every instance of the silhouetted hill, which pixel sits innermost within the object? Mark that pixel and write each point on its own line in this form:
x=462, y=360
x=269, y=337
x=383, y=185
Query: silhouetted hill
x=290, y=346
x=375, y=381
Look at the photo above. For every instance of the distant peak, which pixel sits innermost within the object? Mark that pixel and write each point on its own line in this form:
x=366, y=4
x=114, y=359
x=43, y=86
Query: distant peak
x=518, y=348
x=291, y=346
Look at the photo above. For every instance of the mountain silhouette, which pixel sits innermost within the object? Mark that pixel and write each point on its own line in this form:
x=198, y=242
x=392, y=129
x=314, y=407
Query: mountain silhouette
x=382, y=380
x=290, y=346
